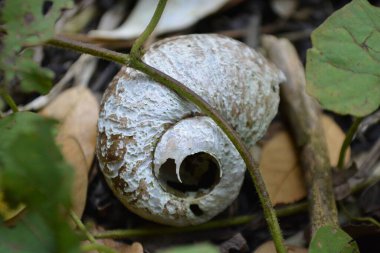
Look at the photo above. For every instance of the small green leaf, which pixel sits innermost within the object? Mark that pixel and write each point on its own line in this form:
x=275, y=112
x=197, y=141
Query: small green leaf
x=343, y=67
x=26, y=25
x=197, y=248
x=330, y=239
x=33, y=172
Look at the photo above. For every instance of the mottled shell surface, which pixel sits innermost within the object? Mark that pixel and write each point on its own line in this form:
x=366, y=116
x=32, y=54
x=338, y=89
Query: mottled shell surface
x=146, y=131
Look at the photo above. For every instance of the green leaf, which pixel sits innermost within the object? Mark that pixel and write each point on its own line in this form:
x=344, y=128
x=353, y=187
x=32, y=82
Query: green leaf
x=343, y=67
x=330, y=239
x=197, y=248
x=26, y=25
x=32, y=76
x=33, y=172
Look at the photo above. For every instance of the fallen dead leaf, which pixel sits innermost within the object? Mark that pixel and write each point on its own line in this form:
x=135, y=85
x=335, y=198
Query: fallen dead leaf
x=280, y=167
x=77, y=111
x=268, y=247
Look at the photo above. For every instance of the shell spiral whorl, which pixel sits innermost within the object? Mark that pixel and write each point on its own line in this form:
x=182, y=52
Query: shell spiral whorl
x=163, y=159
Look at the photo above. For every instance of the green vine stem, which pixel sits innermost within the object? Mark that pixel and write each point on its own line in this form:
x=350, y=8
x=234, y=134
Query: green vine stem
x=82, y=227
x=86, y=48
x=346, y=143
x=137, y=45
x=235, y=221
x=134, y=61
x=8, y=99
x=188, y=94
x=183, y=91
x=93, y=245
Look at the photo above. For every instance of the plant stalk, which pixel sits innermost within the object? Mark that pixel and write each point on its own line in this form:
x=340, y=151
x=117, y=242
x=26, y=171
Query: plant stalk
x=188, y=94
x=185, y=92
x=86, y=48
x=347, y=140
x=82, y=227
x=134, y=61
x=137, y=45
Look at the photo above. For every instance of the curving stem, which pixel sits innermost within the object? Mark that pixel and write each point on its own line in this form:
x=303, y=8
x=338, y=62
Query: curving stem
x=133, y=60
x=346, y=143
x=185, y=92
x=139, y=42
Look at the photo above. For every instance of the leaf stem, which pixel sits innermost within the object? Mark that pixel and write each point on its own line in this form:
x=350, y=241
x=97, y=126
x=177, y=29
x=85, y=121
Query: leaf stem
x=86, y=48
x=136, y=48
x=8, y=99
x=347, y=140
x=82, y=227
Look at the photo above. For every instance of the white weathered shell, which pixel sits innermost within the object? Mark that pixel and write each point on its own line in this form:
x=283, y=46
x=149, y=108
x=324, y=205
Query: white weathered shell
x=142, y=125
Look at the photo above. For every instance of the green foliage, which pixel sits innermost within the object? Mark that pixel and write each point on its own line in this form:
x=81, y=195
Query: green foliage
x=329, y=239
x=197, y=248
x=33, y=172
x=26, y=24
x=343, y=67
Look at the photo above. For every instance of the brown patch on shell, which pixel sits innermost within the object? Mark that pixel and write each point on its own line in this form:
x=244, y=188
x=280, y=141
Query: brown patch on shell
x=116, y=151
x=120, y=184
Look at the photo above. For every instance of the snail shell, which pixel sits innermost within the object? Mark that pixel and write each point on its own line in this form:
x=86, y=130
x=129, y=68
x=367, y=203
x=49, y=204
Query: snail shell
x=162, y=158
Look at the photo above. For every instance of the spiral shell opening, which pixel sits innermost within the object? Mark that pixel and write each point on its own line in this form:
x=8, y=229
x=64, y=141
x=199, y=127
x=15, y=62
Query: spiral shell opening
x=198, y=172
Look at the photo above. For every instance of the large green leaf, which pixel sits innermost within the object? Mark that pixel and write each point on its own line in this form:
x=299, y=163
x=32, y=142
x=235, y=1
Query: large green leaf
x=330, y=239
x=33, y=172
x=26, y=24
x=343, y=67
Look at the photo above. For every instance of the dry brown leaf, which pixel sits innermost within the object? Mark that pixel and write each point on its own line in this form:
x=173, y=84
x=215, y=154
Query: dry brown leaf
x=280, y=168
x=268, y=247
x=77, y=111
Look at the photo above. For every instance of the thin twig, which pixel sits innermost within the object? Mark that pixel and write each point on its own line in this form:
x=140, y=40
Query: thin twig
x=136, y=48
x=347, y=140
